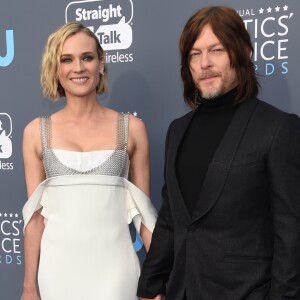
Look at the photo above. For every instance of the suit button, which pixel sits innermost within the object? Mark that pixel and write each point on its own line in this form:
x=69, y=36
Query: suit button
x=191, y=227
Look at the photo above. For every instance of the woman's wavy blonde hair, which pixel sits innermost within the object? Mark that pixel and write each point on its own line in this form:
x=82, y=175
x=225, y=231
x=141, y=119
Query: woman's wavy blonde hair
x=51, y=59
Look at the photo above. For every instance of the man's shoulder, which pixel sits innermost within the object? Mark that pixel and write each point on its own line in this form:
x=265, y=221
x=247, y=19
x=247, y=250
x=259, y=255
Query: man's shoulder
x=267, y=116
x=183, y=119
x=268, y=110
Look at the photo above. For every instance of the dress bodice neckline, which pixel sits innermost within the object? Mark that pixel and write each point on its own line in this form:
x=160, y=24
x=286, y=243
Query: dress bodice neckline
x=115, y=164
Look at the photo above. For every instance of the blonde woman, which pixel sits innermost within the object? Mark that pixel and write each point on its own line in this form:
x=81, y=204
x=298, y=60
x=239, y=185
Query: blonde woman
x=77, y=162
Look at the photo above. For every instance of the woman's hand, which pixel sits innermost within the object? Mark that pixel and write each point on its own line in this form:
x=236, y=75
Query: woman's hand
x=30, y=295
x=158, y=297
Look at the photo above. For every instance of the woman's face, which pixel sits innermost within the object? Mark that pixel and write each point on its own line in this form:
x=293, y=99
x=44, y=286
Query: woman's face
x=79, y=66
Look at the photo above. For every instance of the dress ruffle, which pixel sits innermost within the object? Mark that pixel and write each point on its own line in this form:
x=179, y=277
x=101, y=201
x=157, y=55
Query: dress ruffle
x=139, y=207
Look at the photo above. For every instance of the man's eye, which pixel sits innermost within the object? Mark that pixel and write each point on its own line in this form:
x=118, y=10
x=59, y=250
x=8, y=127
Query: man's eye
x=194, y=55
x=217, y=50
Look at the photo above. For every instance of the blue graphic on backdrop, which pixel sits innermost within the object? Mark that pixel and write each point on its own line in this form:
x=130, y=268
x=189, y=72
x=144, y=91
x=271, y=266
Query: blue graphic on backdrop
x=10, y=50
x=269, y=28
x=10, y=239
x=5, y=142
x=138, y=244
x=5, y=134
x=111, y=23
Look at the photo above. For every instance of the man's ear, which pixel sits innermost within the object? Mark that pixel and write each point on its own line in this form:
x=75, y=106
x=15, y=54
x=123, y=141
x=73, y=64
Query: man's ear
x=249, y=52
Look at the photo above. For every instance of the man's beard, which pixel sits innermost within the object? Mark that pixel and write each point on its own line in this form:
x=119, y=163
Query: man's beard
x=212, y=94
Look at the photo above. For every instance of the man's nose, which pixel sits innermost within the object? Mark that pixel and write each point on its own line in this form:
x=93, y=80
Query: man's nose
x=205, y=60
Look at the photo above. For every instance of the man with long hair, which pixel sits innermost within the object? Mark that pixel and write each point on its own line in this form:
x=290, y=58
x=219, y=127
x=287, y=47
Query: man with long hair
x=229, y=225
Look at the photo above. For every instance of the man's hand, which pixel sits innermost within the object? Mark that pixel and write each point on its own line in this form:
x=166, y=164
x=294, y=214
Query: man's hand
x=158, y=297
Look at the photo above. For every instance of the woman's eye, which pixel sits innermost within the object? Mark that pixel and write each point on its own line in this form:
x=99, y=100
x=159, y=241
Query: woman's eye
x=65, y=60
x=88, y=58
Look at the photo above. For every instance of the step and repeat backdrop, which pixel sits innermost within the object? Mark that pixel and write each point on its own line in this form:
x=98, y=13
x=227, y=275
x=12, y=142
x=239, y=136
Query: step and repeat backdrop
x=140, y=38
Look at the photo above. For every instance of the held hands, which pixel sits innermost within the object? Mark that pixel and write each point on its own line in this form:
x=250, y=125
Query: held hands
x=158, y=297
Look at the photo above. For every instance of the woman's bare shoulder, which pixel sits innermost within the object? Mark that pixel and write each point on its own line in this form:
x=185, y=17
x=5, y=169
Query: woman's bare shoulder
x=32, y=128
x=136, y=125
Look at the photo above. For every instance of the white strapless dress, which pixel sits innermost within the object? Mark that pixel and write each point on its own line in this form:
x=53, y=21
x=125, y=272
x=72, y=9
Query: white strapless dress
x=86, y=248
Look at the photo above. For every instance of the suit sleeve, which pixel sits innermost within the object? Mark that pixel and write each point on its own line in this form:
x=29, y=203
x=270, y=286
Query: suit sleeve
x=284, y=169
x=159, y=260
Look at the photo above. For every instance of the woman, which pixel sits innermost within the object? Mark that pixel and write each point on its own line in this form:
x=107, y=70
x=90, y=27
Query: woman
x=77, y=161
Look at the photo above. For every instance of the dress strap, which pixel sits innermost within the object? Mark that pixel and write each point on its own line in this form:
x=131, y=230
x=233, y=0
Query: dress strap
x=45, y=126
x=122, y=131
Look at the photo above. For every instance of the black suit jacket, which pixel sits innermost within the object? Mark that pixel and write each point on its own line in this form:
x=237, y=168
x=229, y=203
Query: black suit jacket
x=243, y=239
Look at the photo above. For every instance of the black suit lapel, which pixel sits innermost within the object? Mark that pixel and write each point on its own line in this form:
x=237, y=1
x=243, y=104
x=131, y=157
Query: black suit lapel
x=216, y=175
x=178, y=134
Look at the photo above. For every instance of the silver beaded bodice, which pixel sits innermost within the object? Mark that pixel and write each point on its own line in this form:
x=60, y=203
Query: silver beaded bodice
x=116, y=164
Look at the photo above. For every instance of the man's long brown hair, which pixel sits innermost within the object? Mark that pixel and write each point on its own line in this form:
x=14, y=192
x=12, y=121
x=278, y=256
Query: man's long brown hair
x=230, y=29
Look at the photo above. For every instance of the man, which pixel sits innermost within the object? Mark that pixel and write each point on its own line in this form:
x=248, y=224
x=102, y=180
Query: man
x=229, y=225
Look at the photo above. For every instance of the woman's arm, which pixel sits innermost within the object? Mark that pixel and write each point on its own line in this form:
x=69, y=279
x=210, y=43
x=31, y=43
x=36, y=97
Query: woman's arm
x=32, y=238
x=138, y=148
x=34, y=175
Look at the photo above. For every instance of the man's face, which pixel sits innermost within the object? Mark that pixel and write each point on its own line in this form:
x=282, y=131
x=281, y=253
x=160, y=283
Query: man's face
x=210, y=66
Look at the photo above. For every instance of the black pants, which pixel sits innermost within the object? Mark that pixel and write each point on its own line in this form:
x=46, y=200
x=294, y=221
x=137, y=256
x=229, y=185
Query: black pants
x=184, y=297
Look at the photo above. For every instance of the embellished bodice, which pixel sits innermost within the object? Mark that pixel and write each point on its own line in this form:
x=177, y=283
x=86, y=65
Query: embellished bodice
x=116, y=164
